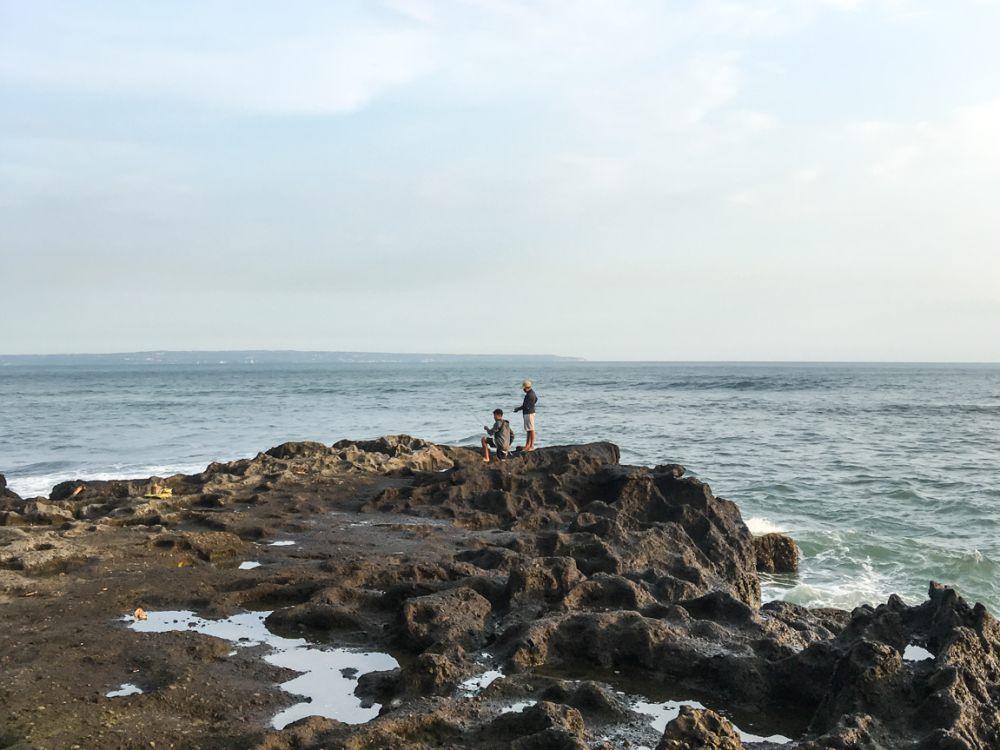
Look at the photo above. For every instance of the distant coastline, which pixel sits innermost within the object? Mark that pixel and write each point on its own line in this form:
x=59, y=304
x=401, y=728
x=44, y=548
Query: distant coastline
x=265, y=356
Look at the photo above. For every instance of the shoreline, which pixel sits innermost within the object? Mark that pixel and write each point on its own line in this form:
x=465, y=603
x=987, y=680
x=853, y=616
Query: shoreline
x=562, y=570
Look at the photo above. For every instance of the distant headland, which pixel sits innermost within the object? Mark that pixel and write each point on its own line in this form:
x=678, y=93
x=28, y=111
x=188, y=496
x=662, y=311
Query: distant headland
x=267, y=356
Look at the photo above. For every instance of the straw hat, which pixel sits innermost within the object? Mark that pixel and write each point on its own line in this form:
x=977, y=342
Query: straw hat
x=526, y=384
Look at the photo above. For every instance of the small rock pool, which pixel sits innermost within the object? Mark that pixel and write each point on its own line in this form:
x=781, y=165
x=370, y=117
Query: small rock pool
x=323, y=679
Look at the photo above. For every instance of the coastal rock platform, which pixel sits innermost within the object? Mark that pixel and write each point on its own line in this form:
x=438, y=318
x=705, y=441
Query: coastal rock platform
x=558, y=599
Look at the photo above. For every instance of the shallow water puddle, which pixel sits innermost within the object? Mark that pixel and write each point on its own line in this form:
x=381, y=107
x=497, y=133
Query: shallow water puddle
x=480, y=682
x=914, y=652
x=663, y=713
x=127, y=688
x=281, y=543
x=249, y=565
x=329, y=692
x=516, y=708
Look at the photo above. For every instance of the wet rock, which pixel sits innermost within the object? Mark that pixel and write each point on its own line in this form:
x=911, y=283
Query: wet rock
x=542, y=726
x=8, y=498
x=776, y=553
x=546, y=579
x=315, y=616
x=605, y=591
x=588, y=697
x=211, y=546
x=954, y=696
x=455, y=616
x=379, y=686
x=434, y=674
x=40, y=512
x=697, y=729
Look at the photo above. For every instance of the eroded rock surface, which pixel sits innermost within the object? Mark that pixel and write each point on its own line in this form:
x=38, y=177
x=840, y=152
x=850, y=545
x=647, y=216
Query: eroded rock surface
x=530, y=603
x=776, y=553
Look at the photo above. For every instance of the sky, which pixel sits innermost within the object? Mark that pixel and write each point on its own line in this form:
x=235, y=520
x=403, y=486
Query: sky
x=611, y=179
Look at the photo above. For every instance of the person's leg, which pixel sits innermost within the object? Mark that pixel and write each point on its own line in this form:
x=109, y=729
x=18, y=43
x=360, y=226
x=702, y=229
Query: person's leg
x=486, y=451
x=529, y=428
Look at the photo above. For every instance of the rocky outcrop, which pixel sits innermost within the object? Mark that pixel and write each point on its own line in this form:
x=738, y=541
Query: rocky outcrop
x=776, y=553
x=697, y=729
x=577, y=579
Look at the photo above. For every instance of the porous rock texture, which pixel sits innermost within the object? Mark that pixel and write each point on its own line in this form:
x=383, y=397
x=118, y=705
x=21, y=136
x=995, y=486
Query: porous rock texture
x=588, y=585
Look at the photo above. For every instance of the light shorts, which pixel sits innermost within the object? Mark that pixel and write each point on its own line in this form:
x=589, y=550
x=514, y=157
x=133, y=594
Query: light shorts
x=529, y=422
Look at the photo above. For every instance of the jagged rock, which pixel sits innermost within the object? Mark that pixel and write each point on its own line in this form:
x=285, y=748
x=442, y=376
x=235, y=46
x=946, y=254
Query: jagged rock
x=699, y=729
x=554, y=567
x=211, y=546
x=315, y=616
x=589, y=697
x=7, y=495
x=543, y=726
x=434, y=674
x=776, y=553
x=951, y=698
x=547, y=579
x=38, y=511
x=455, y=616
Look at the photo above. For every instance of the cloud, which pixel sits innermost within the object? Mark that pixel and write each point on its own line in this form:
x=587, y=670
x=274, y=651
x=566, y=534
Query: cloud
x=326, y=65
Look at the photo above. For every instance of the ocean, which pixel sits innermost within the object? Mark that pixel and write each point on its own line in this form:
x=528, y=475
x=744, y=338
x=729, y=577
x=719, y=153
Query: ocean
x=888, y=476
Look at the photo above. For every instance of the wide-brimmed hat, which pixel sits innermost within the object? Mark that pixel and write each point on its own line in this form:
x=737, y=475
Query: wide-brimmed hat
x=526, y=384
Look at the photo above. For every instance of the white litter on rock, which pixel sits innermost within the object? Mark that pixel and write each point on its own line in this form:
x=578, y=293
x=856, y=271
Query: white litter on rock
x=127, y=688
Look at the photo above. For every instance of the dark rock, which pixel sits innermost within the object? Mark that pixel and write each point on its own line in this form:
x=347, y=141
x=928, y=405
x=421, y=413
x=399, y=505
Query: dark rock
x=315, y=616
x=776, y=553
x=455, y=616
x=546, y=579
x=542, y=726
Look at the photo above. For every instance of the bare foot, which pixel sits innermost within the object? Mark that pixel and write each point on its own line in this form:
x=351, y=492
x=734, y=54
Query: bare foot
x=486, y=460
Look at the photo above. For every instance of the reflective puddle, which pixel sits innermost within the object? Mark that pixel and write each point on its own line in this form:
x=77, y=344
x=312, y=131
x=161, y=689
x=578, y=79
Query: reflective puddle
x=324, y=681
x=249, y=565
x=665, y=712
x=914, y=652
x=480, y=682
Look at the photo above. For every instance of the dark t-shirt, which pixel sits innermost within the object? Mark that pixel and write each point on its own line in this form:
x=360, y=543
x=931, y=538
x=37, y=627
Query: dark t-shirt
x=530, y=399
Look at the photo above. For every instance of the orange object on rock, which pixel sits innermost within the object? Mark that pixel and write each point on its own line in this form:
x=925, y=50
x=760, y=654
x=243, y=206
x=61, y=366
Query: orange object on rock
x=140, y=613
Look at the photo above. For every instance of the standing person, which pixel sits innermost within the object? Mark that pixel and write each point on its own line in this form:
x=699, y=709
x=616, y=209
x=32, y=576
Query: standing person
x=500, y=437
x=527, y=408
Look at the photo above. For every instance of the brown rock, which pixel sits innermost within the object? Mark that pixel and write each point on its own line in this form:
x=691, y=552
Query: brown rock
x=699, y=729
x=776, y=553
x=454, y=616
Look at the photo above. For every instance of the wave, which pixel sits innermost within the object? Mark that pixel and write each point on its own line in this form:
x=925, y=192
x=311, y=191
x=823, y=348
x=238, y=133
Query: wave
x=758, y=526
x=40, y=485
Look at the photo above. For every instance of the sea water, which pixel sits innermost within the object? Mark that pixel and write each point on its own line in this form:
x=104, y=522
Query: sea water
x=888, y=476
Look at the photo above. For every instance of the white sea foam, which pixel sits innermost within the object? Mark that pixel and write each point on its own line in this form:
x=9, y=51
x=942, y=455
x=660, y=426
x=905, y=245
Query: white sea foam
x=868, y=586
x=758, y=526
x=41, y=485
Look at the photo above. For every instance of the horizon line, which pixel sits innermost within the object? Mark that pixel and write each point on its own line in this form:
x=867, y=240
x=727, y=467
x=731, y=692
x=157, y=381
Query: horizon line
x=575, y=358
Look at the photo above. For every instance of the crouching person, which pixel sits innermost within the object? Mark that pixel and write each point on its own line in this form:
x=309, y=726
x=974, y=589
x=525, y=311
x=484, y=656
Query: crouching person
x=500, y=437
